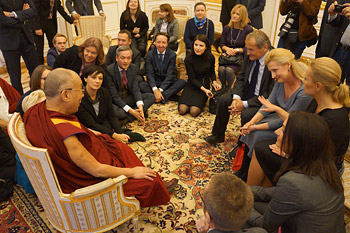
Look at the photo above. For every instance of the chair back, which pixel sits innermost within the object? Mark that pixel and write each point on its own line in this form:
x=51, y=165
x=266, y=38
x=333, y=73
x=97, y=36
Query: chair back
x=92, y=26
x=38, y=166
x=181, y=50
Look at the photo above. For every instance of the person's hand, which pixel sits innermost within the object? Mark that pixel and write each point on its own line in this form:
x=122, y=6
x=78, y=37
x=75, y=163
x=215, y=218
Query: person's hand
x=267, y=104
x=275, y=149
x=136, y=30
x=6, y=13
x=76, y=16
x=39, y=32
x=26, y=6
x=209, y=93
x=121, y=137
x=202, y=225
x=75, y=22
x=158, y=95
x=103, y=15
x=247, y=129
x=95, y=132
x=331, y=9
x=216, y=86
x=143, y=173
x=137, y=35
x=230, y=51
x=141, y=118
x=346, y=10
x=237, y=107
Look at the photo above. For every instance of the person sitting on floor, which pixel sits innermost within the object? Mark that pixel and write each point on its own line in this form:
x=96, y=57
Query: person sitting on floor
x=161, y=71
x=309, y=194
x=81, y=158
x=123, y=86
x=59, y=42
x=227, y=203
x=36, y=82
x=96, y=111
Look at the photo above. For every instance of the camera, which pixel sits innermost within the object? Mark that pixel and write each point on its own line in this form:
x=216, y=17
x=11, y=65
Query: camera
x=286, y=26
x=339, y=8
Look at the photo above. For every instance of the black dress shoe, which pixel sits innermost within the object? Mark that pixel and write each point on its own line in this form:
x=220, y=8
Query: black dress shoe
x=134, y=137
x=214, y=139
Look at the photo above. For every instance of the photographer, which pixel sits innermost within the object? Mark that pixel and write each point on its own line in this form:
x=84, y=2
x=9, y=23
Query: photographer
x=298, y=31
x=339, y=15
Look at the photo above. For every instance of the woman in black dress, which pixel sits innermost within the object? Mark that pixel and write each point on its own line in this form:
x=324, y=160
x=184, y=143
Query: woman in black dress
x=322, y=82
x=96, y=111
x=200, y=67
x=136, y=22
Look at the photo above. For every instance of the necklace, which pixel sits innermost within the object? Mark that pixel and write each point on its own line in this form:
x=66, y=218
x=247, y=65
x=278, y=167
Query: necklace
x=234, y=41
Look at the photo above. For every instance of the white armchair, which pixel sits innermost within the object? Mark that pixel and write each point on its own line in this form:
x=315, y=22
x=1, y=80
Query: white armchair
x=96, y=208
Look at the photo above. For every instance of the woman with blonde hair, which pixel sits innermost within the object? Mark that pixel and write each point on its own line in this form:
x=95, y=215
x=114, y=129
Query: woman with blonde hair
x=167, y=23
x=322, y=82
x=233, y=43
x=287, y=96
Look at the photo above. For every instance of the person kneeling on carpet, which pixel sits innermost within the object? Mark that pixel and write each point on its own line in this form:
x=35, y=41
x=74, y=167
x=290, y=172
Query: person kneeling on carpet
x=80, y=157
x=227, y=203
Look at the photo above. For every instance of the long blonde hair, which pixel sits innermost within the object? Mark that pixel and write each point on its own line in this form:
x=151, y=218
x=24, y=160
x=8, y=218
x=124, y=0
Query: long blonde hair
x=328, y=72
x=243, y=13
x=283, y=57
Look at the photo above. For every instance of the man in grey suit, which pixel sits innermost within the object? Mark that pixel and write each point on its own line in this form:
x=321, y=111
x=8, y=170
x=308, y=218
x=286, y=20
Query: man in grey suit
x=123, y=86
x=227, y=202
x=161, y=71
x=79, y=8
x=255, y=8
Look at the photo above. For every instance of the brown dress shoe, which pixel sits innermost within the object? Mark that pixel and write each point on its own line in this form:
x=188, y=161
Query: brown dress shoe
x=171, y=184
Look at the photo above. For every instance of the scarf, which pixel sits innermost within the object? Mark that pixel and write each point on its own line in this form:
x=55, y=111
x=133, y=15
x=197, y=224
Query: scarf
x=199, y=23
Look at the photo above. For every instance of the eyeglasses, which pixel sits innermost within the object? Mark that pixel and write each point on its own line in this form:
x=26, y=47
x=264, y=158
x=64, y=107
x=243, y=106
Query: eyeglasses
x=71, y=89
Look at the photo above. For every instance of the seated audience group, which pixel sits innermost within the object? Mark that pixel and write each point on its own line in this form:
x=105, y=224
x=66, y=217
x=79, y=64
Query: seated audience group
x=294, y=120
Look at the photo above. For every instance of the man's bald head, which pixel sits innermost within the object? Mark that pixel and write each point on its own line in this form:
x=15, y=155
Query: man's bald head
x=57, y=80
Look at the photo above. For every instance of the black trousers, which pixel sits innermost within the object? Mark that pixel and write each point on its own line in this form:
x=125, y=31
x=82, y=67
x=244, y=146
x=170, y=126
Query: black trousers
x=223, y=115
x=50, y=31
x=176, y=86
x=13, y=61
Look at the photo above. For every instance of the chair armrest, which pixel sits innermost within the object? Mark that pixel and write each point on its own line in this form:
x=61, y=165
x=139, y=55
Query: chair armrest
x=99, y=187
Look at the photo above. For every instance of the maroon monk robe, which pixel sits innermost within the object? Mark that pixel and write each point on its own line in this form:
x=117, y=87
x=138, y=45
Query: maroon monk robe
x=48, y=129
x=11, y=94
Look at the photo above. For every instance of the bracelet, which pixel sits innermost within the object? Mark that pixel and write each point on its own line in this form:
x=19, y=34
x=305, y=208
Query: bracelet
x=254, y=127
x=237, y=50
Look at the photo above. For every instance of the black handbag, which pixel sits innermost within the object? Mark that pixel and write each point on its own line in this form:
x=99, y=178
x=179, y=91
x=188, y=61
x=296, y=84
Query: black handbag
x=213, y=102
x=237, y=59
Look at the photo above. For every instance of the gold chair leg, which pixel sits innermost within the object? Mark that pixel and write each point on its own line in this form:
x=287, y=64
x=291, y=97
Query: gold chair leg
x=135, y=223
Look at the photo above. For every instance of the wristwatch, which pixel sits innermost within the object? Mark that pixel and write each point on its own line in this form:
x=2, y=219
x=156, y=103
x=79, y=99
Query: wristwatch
x=12, y=14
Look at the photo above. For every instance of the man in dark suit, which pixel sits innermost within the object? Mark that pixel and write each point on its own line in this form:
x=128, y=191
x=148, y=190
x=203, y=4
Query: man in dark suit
x=255, y=8
x=253, y=80
x=161, y=71
x=46, y=22
x=227, y=202
x=79, y=8
x=124, y=38
x=124, y=89
x=340, y=43
x=16, y=39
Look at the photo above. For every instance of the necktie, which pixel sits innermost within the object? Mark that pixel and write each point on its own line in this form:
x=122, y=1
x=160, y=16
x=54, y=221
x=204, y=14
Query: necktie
x=52, y=3
x=84, y=7
x=253, y=80
x=124, y=79
x=160, y=57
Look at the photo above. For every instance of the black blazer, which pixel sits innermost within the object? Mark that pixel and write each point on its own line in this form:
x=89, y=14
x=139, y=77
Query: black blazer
x=161, y=78
x=225, y=14
x=69, y=59
x=11, y=28
x=106, y=121
x=77, y=5
x=242, y=83
x=113, y=82
x=136, y=56
x=43, y=7
x=255, y=8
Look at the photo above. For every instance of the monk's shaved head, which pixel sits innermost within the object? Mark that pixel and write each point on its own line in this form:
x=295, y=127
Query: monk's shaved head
x=57, y=80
